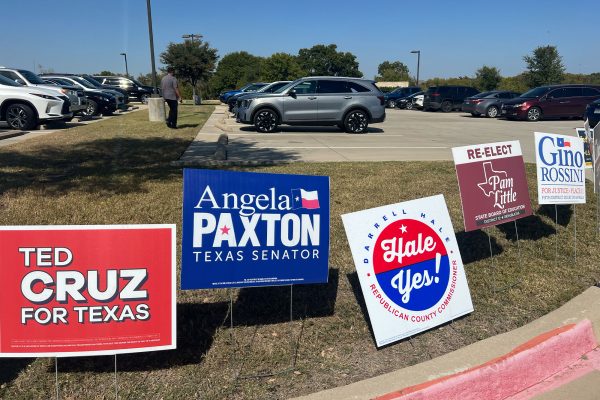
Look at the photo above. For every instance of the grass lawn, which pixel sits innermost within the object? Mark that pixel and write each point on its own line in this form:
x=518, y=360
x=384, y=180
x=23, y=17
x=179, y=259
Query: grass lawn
x=117, y=172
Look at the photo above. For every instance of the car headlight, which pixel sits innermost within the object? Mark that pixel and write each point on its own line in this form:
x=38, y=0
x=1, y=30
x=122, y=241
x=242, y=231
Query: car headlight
x=45, y=96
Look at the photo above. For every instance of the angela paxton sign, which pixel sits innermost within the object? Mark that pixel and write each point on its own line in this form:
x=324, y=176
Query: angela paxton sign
x=409, y=267
x=244, y=229
x=492, y=182
x=560, y=163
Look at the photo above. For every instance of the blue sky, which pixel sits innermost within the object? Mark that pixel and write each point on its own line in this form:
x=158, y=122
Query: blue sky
x=455, y=37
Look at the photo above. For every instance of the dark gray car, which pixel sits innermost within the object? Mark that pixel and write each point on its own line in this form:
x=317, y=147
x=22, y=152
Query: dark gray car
x=487, y=103
x=350, y=103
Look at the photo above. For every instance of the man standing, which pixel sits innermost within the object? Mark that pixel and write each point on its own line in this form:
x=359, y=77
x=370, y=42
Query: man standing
x=170, y=93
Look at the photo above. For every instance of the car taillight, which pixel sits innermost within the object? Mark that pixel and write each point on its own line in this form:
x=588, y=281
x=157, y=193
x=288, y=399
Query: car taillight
x=434, y=94
x=476, y=101
x=381, y=100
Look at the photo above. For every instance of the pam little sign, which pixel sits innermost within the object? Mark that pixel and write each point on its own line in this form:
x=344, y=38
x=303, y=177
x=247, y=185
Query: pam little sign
x=249, y=229
x=409, y=267
x=86, y=290
x=560, y=161
x=492, y=182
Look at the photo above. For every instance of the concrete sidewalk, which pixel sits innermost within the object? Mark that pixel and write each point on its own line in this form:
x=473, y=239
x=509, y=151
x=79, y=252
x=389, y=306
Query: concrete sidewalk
x=585, y=387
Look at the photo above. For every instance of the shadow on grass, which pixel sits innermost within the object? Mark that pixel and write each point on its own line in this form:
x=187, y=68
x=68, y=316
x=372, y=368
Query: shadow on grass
x=10, y=368
x=528, y=228
x=196, y=327
x=565, y=212
x=475, y=246
x=360, y=300
x=271, y=305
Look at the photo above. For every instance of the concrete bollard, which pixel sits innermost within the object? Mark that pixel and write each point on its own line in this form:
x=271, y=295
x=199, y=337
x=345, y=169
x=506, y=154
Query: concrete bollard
x=156, y=109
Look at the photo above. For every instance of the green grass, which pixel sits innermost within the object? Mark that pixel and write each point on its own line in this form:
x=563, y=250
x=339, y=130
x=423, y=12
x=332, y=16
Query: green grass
x=117, y=171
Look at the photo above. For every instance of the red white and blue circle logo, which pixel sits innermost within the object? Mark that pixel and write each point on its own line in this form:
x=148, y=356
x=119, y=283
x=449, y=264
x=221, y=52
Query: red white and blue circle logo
x=411, y=264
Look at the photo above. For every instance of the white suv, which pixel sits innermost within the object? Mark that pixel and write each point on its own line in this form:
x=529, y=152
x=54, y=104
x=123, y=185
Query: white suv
x=25, y=108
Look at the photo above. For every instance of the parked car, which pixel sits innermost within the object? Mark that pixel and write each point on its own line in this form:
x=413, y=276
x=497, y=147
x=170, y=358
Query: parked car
x=251, y=87
x=25, y=108
x=409, y=102
x=134, y=88
x=88, y=87
x=110, y=89
x=487, y=103
x=99, y=102
x=592, y=113
x=553, y=101
x=447, y=98
x=269, y=88
x=392, y=98
x=350, y=103
x=77, y=99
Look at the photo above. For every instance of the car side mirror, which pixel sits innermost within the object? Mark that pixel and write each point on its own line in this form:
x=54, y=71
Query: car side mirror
x=292, y=93
x=20, y=81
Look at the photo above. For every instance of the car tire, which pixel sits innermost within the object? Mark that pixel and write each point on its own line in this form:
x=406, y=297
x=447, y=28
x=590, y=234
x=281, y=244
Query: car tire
x=356, y=121
x=391, y=103
x=492, y=112
x=21, y=116
x=446, y=106
x=410, y=105
x=534, y=114
x=266, y=120
x=91, y=109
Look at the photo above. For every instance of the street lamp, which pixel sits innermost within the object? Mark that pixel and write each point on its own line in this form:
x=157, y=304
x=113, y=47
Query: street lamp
x=156, y=105
x=418, y=53
x=154, y=84
x=191, y=36
x=126, y=69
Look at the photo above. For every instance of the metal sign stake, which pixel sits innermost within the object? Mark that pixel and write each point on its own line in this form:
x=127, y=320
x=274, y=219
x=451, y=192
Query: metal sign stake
x=56, y=376
x=575, y=229
x=492, y=258
x=556, y=241
x=116, y=382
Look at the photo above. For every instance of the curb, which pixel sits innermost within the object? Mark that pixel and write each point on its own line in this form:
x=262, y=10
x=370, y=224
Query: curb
x=10, y=134
x=525, y=366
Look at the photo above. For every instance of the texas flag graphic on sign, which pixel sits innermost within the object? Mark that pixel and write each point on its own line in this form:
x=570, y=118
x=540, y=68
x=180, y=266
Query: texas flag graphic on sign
x=304, y=199
x=561, y=142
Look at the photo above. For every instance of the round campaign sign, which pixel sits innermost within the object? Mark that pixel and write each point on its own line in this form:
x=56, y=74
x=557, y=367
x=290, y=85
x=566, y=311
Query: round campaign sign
x=411, y=264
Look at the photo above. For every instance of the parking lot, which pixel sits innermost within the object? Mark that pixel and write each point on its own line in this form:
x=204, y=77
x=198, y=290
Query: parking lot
x=404, y=136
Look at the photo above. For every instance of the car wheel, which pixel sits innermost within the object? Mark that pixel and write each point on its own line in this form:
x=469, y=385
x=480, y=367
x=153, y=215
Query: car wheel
x=144, y=98
x=446, y=106
x=266, y=121
x=534, y=114
x=91, y=109
x=21, y=116
x=492, y=112
x=410, y=105
x=356, y=122
x=391, y=103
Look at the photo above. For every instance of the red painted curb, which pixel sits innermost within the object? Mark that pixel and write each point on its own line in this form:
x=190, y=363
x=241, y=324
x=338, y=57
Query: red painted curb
x=511, y=373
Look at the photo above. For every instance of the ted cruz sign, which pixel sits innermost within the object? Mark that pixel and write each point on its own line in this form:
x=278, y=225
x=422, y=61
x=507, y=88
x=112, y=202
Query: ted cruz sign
x=252, y=229
x=87, y=290
x=560, y=163
x=492, y=182
x=409, y=267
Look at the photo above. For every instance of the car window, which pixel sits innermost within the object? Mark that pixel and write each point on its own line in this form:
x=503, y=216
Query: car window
x=572, y=92
x=557, y=94
x=31, y=77
x=590, y=92
x=306, y=87
x=357, y=88
x=276, y=86
x=331, y=86
x=10, y=75
x=8, y=82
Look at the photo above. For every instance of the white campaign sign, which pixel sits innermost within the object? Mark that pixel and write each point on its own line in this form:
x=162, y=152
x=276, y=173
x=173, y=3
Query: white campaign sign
x=560, y=164
x=409, y=267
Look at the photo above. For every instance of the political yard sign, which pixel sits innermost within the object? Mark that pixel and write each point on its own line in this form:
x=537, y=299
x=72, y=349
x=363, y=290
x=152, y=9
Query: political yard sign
x=587, y=135
x=560, y=164
x=492, y=182
x=245, y=229
x=86, y=290
x=409, y=267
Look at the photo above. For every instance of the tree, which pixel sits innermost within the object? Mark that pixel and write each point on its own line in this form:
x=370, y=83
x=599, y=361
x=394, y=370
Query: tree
x=392, y=72
x=106, y=73
x=235, y=70
x=193, y=60
x=544, y=66
x=281, y=67
x=327, y=61
x=516, y=83
x=488, y=78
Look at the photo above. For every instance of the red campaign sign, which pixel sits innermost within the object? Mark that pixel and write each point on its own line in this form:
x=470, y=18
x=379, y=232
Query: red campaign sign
x=493, y=184
x=86, y=290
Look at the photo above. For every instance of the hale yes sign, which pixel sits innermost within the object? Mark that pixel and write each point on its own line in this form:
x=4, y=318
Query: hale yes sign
x=251, y=229
x=87, y=290
x=492, y=182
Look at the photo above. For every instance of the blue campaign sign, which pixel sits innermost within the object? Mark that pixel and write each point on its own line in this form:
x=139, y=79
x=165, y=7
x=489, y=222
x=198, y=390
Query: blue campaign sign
x=244, y=229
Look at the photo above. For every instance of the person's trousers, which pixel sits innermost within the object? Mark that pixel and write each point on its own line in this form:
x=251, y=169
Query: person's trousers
x=172, y=118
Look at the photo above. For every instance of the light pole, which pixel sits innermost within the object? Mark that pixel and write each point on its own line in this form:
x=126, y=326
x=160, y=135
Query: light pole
x=126, y=69
x=191, y=36
x=154, y=84
x=418, y=53
x=156, y=104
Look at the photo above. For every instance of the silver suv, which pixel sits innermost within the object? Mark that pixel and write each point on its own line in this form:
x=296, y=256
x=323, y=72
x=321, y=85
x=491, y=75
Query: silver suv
x=349, y=103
